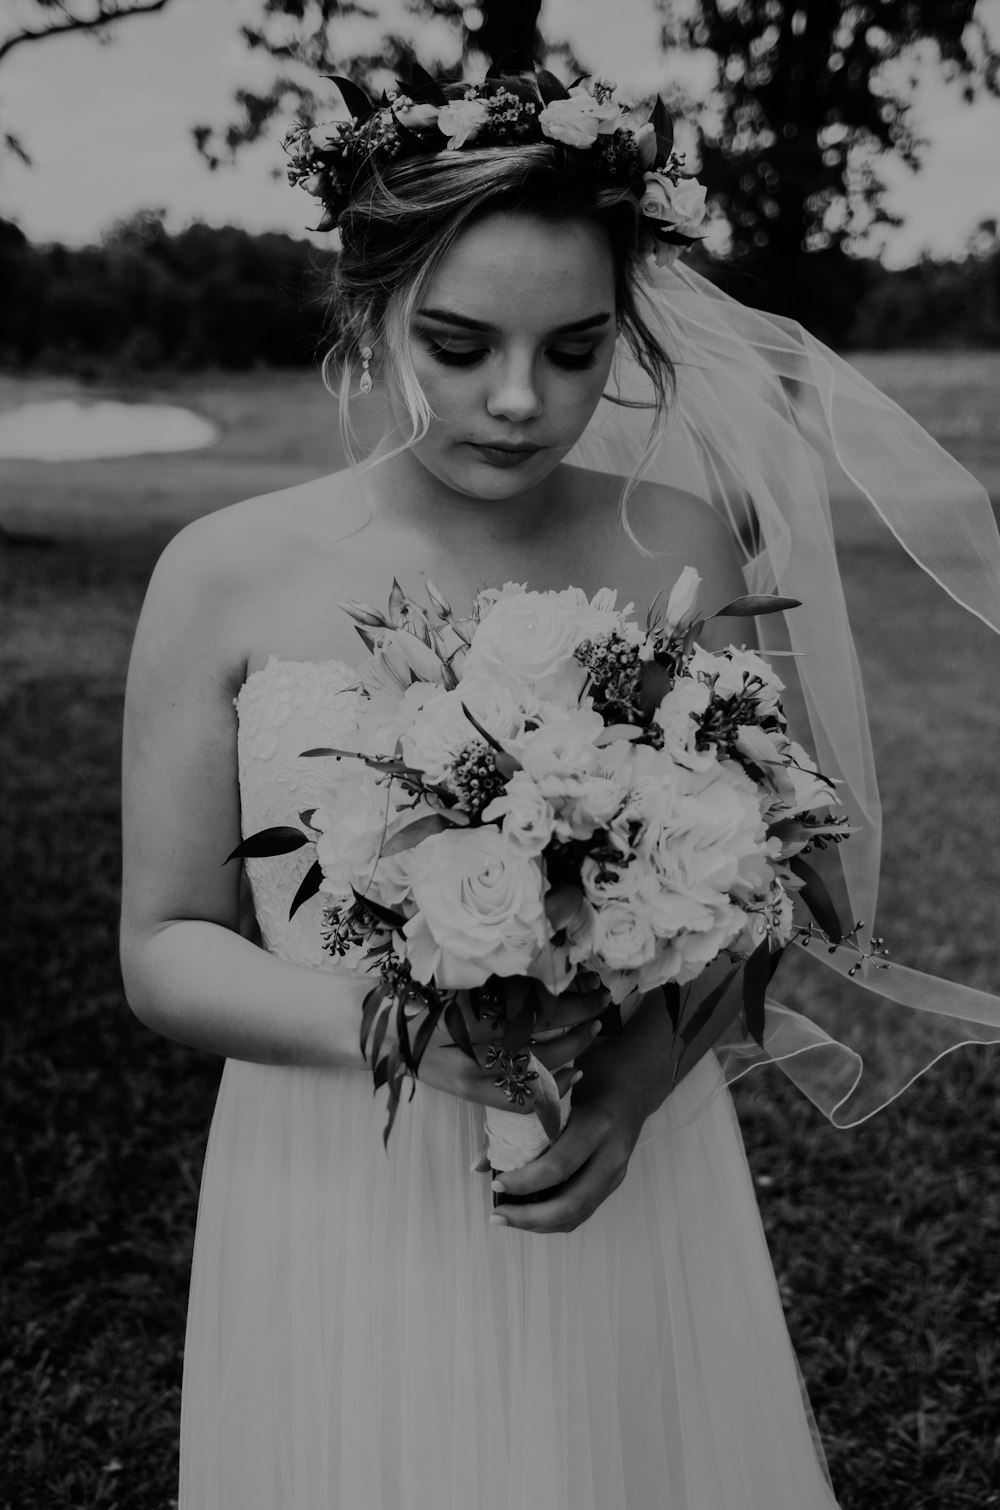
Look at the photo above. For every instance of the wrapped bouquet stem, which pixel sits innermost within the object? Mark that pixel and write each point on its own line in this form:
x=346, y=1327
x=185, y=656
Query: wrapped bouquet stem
x=547, y=790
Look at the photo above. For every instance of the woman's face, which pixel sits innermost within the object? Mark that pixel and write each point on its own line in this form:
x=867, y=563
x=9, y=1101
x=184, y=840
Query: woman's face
x=512, y=343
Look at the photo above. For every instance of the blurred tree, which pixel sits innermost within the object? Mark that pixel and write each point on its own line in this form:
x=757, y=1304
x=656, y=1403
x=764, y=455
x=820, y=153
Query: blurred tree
x=52, y=18
x=307, y=39
x=811, y=95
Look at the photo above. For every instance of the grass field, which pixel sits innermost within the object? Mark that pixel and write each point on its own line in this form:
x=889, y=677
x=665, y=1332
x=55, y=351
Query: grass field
x=885, y=1238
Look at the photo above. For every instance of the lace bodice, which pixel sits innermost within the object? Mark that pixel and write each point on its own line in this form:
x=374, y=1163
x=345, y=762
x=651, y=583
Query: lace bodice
x=284, y=708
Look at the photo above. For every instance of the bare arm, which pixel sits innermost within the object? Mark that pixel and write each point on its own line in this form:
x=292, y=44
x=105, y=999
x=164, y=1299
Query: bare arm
x=188, y=973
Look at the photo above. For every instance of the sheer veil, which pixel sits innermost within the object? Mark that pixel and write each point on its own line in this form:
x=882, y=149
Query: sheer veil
x=780, y=435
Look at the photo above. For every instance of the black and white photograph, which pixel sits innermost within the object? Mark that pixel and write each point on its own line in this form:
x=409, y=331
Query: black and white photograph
x=500, y=722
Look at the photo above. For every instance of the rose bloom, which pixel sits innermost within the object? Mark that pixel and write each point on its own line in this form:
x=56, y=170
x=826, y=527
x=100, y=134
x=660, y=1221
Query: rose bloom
x=680, y=207
x=531, y=636
x=479, y=909
x=578, y=120
x=527, y=817
x=581, y=804
x=440, y=729
x=461, y=121
x=627, y=940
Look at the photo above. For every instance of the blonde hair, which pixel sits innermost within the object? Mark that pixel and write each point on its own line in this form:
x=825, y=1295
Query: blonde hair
x=404, y=220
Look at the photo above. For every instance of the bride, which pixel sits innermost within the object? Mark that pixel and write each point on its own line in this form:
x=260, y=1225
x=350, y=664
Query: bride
x=365, y=1332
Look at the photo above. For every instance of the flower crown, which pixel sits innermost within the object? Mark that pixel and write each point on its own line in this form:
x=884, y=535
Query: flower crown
x=625, y=145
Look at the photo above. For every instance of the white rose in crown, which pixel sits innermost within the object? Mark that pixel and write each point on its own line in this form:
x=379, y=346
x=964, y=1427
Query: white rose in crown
x=479, y=907
x=527, y=820
x=440, y=729
x=579, y=120
x=678, y=207
x=461, y=121
x=531, y=637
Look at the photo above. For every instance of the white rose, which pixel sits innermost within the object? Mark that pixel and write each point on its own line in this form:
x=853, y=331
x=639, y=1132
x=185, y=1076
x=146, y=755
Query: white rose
x=576, y=121
x=440, y=729
x=680, y=207
x=461, y=121
x=530, y=637
x=627, y=940
x=527, y=816
x=677, y=716
x=479, y=909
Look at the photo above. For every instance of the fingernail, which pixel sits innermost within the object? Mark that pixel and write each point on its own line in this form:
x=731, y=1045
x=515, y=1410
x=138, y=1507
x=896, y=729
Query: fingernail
x=574, y=1080
x=498, y=1221
x=595, y=1030
x=499, y=1187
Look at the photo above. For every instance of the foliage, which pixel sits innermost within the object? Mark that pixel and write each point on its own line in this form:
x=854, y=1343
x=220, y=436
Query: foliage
x=143, y=298
x=884, y=1238
x=51, y=18
x=810, y=96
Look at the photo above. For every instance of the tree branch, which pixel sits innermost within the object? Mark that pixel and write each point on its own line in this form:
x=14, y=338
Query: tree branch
x=82, y=23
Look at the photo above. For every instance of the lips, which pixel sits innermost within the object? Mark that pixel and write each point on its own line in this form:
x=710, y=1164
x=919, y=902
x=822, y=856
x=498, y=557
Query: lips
x=504, y=456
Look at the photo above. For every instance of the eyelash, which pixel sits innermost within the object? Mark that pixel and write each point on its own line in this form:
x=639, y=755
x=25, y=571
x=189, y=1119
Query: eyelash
x=570, y=361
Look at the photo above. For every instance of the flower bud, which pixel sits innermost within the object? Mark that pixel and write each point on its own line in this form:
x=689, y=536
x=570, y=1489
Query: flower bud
x=439, y=602
x=362, y=614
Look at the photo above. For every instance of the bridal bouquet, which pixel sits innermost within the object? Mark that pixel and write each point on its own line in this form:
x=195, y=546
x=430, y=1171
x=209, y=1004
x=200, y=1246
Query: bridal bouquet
x=548, y=789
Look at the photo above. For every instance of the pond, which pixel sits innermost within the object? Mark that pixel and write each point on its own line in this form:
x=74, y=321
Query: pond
x=66, y=430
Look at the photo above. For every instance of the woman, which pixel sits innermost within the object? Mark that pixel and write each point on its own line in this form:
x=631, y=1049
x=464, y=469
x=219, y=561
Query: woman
x=362, y=1333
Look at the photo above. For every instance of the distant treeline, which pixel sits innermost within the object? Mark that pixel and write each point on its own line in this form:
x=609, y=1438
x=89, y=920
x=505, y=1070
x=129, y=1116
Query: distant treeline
x=221, y=297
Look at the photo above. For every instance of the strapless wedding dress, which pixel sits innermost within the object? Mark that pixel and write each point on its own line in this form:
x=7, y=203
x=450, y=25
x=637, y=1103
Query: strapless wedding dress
x=360, y=1338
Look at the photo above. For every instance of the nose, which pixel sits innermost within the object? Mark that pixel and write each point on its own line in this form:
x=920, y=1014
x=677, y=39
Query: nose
x=514, y=394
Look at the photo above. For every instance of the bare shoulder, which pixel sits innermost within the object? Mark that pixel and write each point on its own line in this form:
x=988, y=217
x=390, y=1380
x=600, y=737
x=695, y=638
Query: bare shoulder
x=669, y=521
x=221, y=570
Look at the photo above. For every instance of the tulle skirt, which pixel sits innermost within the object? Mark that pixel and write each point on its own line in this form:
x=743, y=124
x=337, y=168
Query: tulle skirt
x=360, y=1338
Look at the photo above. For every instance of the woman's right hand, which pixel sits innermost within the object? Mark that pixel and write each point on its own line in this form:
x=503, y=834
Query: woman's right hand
x=571, y=1019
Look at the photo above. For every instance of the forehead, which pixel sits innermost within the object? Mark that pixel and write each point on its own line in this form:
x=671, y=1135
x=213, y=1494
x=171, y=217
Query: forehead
x=516, y=270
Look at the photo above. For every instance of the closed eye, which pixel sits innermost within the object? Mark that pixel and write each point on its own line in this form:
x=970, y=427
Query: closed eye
x=459, y=356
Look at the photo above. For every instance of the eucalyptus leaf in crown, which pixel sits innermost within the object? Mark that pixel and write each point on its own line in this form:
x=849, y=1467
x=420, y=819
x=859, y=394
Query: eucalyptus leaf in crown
x=622, y=144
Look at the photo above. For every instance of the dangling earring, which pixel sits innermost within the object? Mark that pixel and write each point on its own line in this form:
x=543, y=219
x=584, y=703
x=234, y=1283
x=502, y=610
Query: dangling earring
x=366, y=377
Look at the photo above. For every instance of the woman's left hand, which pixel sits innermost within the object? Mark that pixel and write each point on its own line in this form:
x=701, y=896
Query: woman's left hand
x=624, y=1080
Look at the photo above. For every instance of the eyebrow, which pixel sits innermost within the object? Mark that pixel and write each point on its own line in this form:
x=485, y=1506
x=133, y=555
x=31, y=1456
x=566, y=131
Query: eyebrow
x=449, y=317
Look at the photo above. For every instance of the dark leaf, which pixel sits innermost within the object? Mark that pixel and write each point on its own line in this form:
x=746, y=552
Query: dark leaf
x=756, y=975
x=415, y=833
x=753, y=605
x=664, y=128
x=426, y=1032
x=378, y=1036
x=375, y=999
x=269, y=841
x=458, y=1028
x=306, y=816
x=775, y=961
x=611, y=1021
x=519, y=1025
x=354, y=97
x=367, y=637
x=425, y=89
x=656, y=682
x=545, y=1101
x=403, y=1031
x=390, y=1117
x=672, y=997
x=506, y=765
x=308, y=887
x=700, y=1016
x=817, y=898
x=384, y=914
x=549, y=87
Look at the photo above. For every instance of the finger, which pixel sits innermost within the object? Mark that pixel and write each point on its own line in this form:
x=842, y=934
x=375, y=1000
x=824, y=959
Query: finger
x=576, y=1145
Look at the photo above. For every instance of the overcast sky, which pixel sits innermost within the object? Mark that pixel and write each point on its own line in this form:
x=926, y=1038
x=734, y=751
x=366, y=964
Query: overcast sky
x=109, y=127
